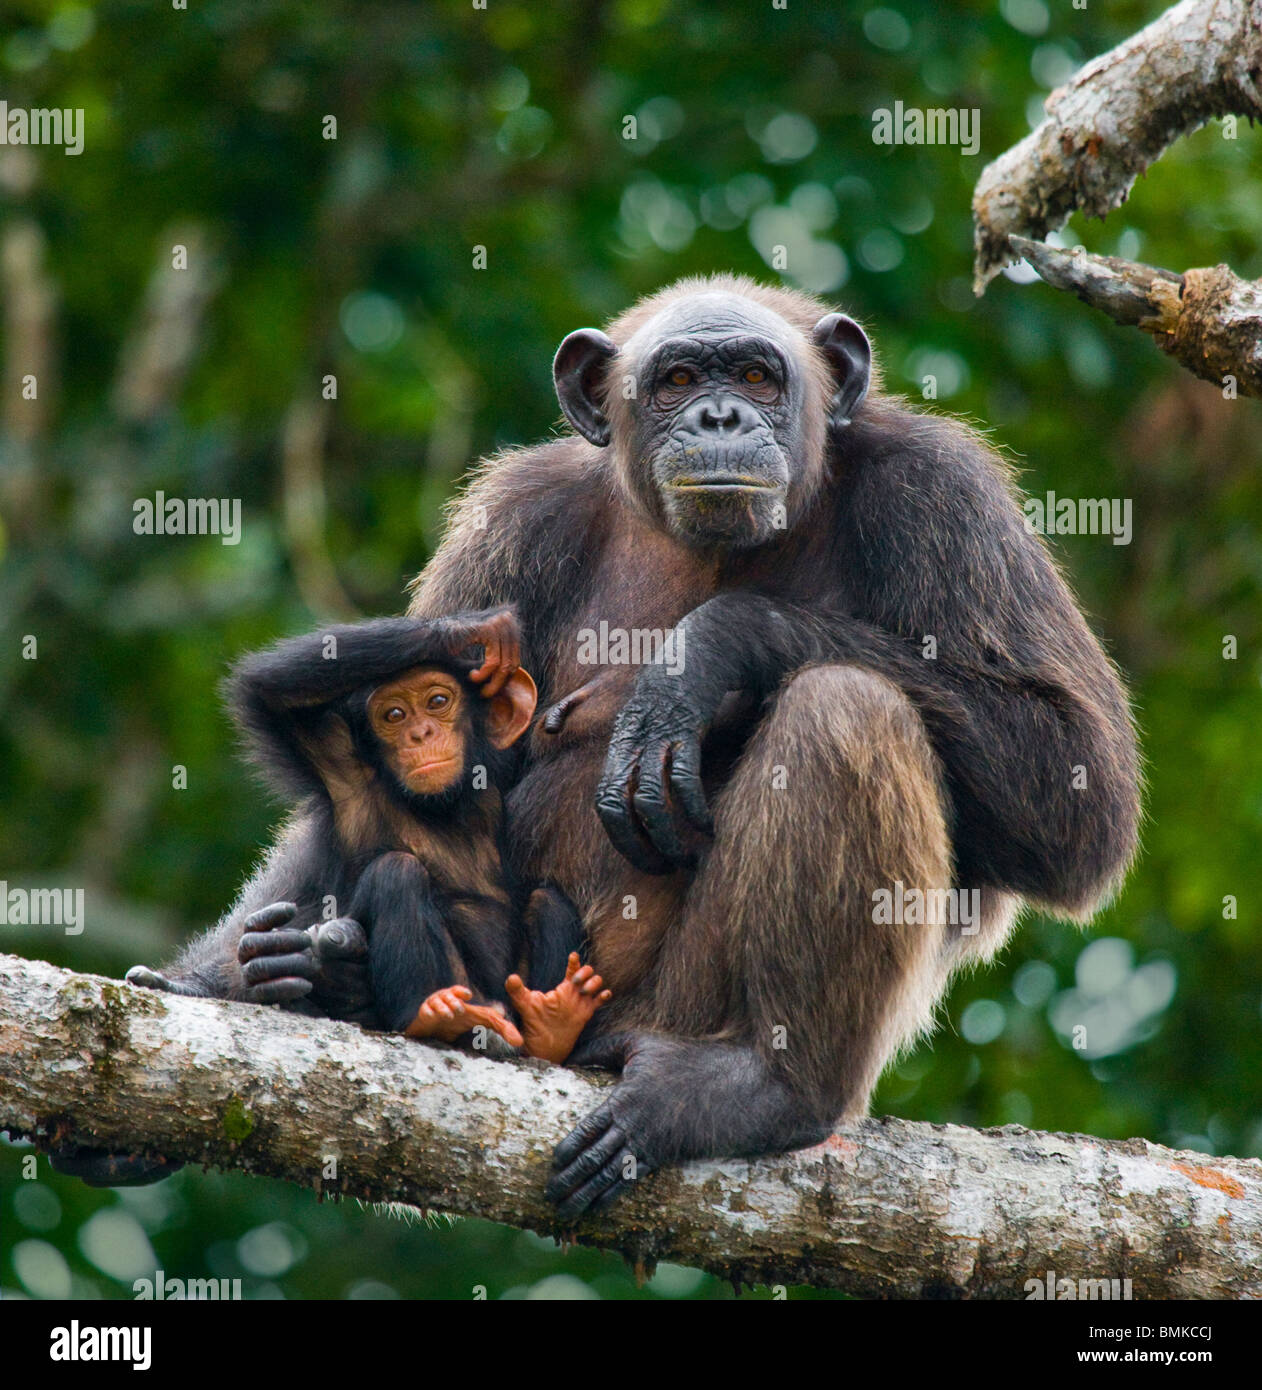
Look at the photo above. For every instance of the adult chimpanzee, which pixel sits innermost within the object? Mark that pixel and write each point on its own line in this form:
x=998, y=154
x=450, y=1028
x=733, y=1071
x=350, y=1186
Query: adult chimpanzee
x=885, y=681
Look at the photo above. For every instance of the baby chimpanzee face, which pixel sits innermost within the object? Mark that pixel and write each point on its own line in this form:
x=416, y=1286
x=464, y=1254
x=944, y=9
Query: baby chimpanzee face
x=424, y=724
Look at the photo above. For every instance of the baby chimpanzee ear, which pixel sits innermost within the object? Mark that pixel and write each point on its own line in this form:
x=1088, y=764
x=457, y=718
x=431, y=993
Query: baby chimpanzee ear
x=511, y=711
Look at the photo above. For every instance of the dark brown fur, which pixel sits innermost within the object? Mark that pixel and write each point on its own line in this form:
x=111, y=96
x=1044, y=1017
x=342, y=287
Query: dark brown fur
x=757, y=996
x=775, y=927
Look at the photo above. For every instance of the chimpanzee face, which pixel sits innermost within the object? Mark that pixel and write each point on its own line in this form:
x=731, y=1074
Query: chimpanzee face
x=427, y=729
x=423, y=722
x=716, y=421
x=712, y=435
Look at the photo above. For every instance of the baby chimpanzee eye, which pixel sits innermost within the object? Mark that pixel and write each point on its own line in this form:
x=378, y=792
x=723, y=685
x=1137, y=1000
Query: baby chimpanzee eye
x=438, y=701
x=394, y=714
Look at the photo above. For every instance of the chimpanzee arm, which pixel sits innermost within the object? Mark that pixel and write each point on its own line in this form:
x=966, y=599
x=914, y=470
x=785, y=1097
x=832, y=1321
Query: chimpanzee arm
x=1021, y=705
x=321, y=667
x=280, y=696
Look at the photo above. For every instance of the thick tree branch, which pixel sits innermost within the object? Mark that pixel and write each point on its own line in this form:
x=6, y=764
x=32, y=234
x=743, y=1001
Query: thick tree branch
x=1115, y=117
x=884, y=1208
x=1210, y=320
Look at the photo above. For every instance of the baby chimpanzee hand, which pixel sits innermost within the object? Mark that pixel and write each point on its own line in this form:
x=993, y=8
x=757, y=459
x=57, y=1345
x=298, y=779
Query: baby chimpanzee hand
x=497, y=632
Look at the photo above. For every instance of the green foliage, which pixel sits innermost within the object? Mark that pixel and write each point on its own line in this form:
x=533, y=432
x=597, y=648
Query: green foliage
x=353, y=257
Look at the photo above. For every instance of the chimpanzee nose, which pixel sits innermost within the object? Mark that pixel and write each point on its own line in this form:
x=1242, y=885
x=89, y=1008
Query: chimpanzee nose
x=718, y=414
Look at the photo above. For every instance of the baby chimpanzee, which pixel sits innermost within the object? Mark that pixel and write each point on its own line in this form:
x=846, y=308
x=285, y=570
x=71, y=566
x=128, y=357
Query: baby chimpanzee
x=400, y=748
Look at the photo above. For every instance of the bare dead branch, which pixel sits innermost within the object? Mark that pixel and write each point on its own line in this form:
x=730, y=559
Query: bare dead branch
x=1210, y=320
x=883, y=1208
x=1115, y=117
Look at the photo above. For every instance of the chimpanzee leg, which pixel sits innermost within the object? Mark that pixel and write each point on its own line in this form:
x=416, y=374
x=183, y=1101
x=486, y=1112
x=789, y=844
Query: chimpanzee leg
x=783, y=991
x=553, y=930
x=834, y=816
x=410, y=952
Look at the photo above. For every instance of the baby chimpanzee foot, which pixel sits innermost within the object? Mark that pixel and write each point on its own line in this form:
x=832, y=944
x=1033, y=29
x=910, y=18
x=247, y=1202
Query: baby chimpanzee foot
x=447, y=1015
x=551, y=1020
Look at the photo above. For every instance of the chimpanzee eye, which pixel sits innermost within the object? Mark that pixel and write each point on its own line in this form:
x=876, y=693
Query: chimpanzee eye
x=755, y=375
x=680, y=377
x=394, y=715
x=438, y=701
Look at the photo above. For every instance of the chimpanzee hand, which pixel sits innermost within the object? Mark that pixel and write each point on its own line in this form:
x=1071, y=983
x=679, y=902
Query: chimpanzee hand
x=327, y=963
x=654, y=761
x=497, y=632
x=280, y=965
x=277, y=966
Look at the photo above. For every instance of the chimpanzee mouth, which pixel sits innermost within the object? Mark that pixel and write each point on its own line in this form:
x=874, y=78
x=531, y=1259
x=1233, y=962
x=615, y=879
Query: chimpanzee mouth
x=417, y=769
x=724, y=482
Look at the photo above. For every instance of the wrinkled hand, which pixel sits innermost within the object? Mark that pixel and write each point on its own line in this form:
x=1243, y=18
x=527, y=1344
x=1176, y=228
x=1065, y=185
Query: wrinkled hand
x=277, y=961
x=498, y=633
x=282, y=964
x=621, y=1141
x=678, y=1099
x=653, y=773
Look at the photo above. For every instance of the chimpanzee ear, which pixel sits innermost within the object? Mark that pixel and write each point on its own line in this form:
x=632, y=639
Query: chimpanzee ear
x=849, y=354
x=511, y=710
x=576, y=371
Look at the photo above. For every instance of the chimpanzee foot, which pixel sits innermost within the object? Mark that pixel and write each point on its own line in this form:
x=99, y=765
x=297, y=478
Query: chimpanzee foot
x=551, y=1020
x=678, y=1099
x=448, y=1015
